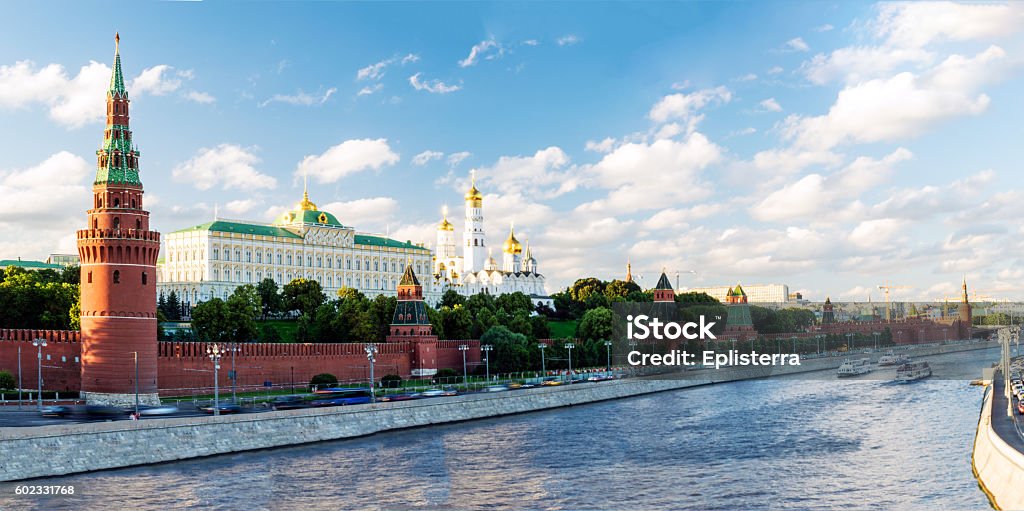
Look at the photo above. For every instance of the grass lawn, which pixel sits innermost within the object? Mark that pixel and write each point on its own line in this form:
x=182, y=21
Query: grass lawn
x=565, y=329
x=285, y=327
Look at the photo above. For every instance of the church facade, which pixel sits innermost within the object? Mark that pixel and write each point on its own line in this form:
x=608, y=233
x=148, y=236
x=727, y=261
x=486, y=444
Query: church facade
x=474, y=270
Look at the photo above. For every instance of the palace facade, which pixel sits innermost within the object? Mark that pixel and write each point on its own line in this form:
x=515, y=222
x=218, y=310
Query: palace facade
x=210, y=260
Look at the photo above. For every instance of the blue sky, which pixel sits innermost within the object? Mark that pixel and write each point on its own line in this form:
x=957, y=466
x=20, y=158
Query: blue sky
x=830, y=147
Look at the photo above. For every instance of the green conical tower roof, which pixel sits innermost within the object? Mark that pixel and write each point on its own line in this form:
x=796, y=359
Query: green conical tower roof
x=117, y=77
x=663, y=282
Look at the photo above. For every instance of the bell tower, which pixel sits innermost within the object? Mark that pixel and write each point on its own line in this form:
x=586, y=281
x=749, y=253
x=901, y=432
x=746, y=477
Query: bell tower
x=118, y=256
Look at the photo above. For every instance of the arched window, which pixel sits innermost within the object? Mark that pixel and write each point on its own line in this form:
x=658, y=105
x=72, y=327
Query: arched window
x=117, y=202
x=89, y=280
x=117, y=222
x=133, y=203
x=138, y=223
x=117, y=276
x=144, y=279
x=95, y=223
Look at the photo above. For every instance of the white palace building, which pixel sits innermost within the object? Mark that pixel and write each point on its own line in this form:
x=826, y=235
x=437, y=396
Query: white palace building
x=212, y=259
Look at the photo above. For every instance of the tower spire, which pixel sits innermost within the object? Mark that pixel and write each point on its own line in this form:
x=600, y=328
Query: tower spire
x=629, y=271
x=116, y=76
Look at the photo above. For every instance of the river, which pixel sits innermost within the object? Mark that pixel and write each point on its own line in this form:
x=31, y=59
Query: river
x=789, y=442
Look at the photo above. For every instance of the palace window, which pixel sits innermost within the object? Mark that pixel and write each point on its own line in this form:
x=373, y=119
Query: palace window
x=328, y=262
x=259, y=257
x=348, y=263
x=289, y=259
x=309, y=261
x=216, y=253
x=248, y=256
x=319, y=262
x=278, y=258
x=358, y=264
x=376, y=265
x=238, y=275
x=238, y=255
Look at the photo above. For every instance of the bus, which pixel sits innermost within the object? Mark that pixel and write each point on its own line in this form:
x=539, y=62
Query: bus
x=341, y=396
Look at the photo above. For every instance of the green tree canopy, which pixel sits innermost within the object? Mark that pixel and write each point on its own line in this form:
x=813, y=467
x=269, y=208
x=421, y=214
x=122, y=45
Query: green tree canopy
x=303, y=295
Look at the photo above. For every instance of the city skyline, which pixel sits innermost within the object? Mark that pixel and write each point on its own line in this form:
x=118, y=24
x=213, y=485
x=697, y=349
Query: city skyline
x=813, y=153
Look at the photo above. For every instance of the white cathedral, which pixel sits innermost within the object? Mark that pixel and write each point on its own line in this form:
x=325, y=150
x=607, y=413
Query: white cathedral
x=476, y=271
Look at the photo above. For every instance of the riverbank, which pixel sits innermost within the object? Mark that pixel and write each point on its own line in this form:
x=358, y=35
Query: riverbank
x=998, y=457
x=66, y=449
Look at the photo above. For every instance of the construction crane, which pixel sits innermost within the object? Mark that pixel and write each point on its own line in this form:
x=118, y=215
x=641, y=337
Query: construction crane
x=887, y=287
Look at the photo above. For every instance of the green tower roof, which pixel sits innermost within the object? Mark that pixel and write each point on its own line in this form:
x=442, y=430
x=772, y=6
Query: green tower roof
x=117, y=77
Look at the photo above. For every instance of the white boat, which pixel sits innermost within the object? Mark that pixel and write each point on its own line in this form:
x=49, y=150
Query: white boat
x=854, y=368
x=913, y=371
x=891, y=359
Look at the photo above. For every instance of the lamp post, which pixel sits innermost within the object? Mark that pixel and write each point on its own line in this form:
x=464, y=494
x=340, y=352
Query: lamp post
x=234, y=375
x=465, y=374
x=215, y=353
x=569, y=346
x=371, y=356
x=543, y=370
x=608, y=355
x=849, y=342
x=135, y=355
x=19, y=377
x=794, y=344
x=39, y=343
x=876, y=335
x=486, y=348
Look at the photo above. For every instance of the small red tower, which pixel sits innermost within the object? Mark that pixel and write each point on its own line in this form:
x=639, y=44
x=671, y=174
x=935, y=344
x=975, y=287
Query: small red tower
x=118, y=256
x=663, y=291
x=410, y=324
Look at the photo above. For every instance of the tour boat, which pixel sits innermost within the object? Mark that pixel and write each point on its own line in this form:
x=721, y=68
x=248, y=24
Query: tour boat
x=891, y=359
x=854, y=368
x=914, y=371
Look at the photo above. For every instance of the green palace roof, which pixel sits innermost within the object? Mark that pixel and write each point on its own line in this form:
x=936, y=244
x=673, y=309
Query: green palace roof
x=307, y=217
x=29, y=265
x=242, y=228
x=380, y=241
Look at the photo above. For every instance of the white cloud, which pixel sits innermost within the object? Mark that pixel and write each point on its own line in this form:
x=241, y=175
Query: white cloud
x=531, y=42
x=369, y=215
x=366, y=91
x=426, y=157
x=774, y=70
x=455, y=159
x=542, y=174
x=232, y=166
x=770, y=105
x=683, y=106
x=797, y=44
x=916, y=24
x=241, y=206
x=199, y=97
x=872, y=233
x=433, y=86
x=824, y=28
x=376, y=71
x=158, y=80
x=568, y=40
x=749, y=77
x=488, y=50
x=72, y=102
x=301, y=98
x=346, y=158
x=604, y=146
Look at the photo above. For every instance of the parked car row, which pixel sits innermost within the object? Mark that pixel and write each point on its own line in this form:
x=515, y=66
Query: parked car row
x=102, y=412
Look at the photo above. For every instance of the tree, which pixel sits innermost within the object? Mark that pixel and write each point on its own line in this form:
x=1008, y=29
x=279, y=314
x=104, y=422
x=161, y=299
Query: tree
x=173, y=311
x=540, y=327
x=583, y=288
x=7, y=380
x=391, y=381
x=513, y=303
x=510, y=351
x=596, y=324
x=242, y=309
x=303, y=295
x=270, y=298
x=620, y=289
x=269, y=334
x=450, y=299
x=209, y=320
x=324, y=379
x=457, y=322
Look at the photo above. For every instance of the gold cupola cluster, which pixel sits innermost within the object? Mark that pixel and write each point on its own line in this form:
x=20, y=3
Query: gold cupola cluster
x=512, y=245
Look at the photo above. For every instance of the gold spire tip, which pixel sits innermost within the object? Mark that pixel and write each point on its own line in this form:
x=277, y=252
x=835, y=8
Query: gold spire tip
x=117, y=42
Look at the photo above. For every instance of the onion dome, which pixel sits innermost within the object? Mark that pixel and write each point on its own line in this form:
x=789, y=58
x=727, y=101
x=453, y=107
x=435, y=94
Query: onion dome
x=445, y=225
x=512, y=245
x=473, y=195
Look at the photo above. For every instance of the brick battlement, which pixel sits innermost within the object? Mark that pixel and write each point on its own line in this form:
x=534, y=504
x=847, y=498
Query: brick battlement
x=125, y=234
x=28, y=335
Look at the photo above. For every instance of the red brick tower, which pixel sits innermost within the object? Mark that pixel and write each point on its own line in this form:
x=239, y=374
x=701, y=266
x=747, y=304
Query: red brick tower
x=410, y=324
x=118, y=256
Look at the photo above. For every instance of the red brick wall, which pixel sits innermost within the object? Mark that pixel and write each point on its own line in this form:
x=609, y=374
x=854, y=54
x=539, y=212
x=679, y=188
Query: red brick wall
x=61, y=371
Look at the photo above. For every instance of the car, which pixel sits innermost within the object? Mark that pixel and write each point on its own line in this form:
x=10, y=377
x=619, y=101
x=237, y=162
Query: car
x=551, y=381
x=525, y=386
x=102, y=412
x=513, y=386
x=450, y=391
x=155, y=410
x=1020, y=407
x=496, y=388
x=55, y=411
x=432, y=393
x=289, y=403
x=225, y=408
x=399, y=397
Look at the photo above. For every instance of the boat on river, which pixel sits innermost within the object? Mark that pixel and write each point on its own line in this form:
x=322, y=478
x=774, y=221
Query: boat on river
x=913, y=371
x=854, y=368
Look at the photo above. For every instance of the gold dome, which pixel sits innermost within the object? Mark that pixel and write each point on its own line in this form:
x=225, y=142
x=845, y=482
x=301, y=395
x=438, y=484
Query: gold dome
x=305, y=204
x=473, y=194
x=512, y=245
x=445, y=225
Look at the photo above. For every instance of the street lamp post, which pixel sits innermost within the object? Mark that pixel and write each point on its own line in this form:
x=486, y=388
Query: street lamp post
x=486, y=348
x=465, y=374
x=234, y=375
x=569, y=346
x=543, y=369
x=794, y=344
x=19, y=377
x=135, y=354
x=39, y=343
x=371, y=356
x=876, y=335
x=215, y=353
x=849, y=342
x=608, y=355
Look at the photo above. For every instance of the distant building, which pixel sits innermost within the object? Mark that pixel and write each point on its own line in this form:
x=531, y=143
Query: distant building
x=757, y=293
x=739, y=325
x=63, y=259
x=29, y=265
